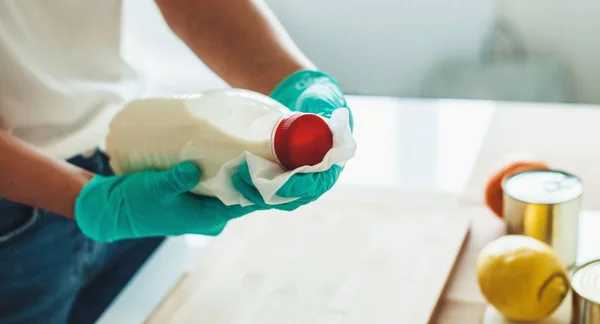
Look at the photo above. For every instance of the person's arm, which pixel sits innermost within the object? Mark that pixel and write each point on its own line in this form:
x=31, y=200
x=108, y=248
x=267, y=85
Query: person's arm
x=30, y=177
x=240, y=40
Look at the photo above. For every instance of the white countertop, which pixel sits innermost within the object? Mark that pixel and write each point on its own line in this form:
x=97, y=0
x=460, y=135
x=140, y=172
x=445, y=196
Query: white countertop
x=423, y=145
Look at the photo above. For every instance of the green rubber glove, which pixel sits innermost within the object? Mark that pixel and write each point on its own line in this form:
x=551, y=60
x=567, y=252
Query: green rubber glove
x=310, y=92
x=151, y=203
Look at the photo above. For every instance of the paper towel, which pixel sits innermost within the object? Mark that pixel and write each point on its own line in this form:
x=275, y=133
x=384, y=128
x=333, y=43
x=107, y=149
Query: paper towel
x=268, y=177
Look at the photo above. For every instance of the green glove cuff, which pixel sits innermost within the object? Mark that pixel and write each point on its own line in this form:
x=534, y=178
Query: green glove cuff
x=312, y=92
x=288, y=91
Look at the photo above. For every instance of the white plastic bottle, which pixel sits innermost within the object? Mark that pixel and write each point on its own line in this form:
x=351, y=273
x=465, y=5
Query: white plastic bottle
x=212, y=128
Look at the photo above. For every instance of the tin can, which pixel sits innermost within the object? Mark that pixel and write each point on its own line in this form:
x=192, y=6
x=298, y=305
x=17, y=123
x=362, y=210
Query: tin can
x=545, y=205
x=585, y=301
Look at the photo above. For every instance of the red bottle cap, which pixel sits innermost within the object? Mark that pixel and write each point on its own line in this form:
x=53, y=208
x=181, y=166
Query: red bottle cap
x=302, y=139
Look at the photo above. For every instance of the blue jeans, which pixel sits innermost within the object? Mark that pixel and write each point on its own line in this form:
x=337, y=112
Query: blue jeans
x=51, y=273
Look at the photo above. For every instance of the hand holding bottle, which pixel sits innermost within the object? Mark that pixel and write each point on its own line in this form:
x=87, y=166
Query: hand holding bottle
x=309, y=92
x=151, y=203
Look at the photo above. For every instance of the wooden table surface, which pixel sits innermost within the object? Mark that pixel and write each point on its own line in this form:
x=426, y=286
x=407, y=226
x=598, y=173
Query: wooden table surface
x=452, y=146
x=470, y=141
x=566, y=137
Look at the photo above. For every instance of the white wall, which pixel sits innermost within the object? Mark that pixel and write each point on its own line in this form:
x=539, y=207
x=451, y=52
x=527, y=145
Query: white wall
x=373, y=47
x=385, y=46
x=566, y=30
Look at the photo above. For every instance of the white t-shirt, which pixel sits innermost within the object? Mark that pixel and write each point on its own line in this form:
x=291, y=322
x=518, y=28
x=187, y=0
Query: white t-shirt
x=62, y=77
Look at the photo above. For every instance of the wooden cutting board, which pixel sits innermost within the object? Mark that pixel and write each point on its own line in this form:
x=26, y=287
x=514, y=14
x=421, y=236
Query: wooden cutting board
x=356, y=256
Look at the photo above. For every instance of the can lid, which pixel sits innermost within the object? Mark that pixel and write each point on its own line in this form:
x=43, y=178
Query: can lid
x=302, y=139
x=543, y=186
x=586, y=281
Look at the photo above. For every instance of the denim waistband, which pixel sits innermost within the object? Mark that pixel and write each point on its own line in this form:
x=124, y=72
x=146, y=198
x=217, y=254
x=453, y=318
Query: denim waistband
x=15, y=216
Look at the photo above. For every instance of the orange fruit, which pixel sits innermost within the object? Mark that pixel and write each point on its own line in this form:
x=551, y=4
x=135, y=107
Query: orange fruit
x=493, y=188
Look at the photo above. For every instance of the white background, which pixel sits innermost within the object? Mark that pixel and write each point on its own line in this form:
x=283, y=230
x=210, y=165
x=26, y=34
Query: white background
x=386, y=46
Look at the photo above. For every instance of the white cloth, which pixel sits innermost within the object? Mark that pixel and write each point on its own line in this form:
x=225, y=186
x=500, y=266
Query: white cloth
x=268, y=177
x=62, y=77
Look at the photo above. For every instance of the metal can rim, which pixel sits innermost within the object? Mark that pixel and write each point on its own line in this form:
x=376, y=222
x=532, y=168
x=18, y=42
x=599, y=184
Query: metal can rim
x=578, y=294
x=539, y=170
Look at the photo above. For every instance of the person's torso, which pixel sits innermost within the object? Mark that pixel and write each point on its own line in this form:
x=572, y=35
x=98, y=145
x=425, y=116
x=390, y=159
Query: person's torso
x=61, y=72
